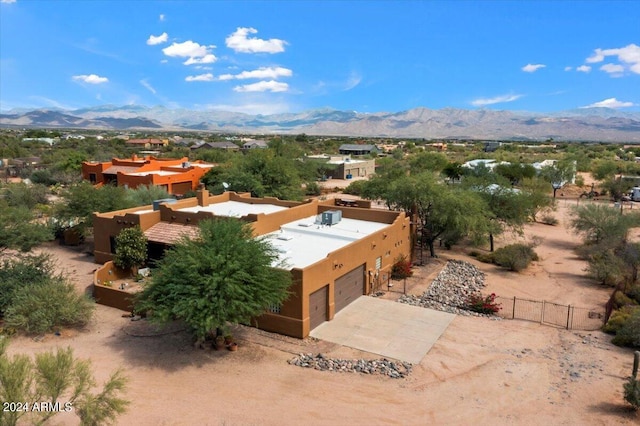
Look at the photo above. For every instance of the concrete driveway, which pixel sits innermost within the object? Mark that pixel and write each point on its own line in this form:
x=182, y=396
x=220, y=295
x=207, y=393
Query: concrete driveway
x=385, y=327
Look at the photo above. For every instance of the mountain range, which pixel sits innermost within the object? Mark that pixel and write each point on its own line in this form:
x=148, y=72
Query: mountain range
x=585, y=124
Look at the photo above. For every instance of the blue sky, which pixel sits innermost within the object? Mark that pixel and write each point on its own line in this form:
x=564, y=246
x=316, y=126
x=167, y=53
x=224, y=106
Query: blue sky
x=267, y=57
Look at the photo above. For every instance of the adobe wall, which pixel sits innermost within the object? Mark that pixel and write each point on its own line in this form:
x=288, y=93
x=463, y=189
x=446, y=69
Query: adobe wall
x=106, y=225
x=110, y=296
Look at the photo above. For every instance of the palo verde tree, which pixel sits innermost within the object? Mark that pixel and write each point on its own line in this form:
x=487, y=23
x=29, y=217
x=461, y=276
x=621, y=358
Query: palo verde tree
x=57, y=382
x=558, y=173
x=131, y=248
x=224, y=276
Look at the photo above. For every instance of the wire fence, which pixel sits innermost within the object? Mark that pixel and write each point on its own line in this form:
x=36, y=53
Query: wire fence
x=554, y=314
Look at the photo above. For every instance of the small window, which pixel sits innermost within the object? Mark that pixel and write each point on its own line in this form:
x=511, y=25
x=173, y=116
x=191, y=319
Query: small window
x=275, y=309
x=93, y=178
x=378, y=262
x=112, y=243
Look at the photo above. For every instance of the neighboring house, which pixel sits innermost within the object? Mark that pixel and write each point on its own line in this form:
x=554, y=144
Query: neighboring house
x=357, y=149
x=487, y=162
x=335, y=253
x=177, y=176
x=344, y=167
x=255, y=144
x=229, y=146
x=148, y=143
x=492, y=146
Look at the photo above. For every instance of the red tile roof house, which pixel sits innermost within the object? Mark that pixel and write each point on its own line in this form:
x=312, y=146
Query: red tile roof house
x=177, y=176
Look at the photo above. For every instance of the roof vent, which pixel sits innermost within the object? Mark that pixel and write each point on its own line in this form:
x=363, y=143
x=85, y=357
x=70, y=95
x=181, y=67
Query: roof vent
x=331, y=217
x=284, y=237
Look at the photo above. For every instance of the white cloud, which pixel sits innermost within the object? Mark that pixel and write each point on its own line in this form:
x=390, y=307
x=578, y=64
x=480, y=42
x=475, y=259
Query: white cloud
x=629, y=56
x=195, y=52
x=495, y=100
x=353, y=80
x=532, y=67
x=583, y=68
x=240, y=42
x=201, y=77
x=206, y=59
x=7, y=1
x=153, y=40
x=568, y=68
x=610, y=103
x=148, y=86
x=616, y=70
x=90, y=78
x=161, y=18
x=262, y=72
x=263, y=86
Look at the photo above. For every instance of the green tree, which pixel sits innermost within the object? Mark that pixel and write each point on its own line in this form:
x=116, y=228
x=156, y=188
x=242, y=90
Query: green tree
x=600, y=223
x=225, y=276
x=83, y=199
x=131, y=249
x=57, y=378
x=604, y=169
x=515, y=172
x=558, y=173
x=147, y=194
x=19, y=228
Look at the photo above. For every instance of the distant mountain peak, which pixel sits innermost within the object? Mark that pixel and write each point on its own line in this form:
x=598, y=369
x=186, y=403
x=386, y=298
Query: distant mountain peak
x=583, y=124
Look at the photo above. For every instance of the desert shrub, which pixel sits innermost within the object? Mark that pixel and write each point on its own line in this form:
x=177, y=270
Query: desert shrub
x=44, y=306
x=515, y=257
x=485, y=257
x=579, y=180
x=131, y=248
x=632, y=392
x=629, y=333
x=634, y=293
x=549, y=219
x=618, y=318
x=605, y=267
x=620, y=299
x=16, y=274
x=355, y=187
x=312, y=188
x=401, y=268
x=482, y=305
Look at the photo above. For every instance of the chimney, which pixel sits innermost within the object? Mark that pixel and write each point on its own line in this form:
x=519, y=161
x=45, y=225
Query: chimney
x=203, y=196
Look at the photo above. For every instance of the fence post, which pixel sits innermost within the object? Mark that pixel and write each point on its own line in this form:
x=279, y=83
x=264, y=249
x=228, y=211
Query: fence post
x=568, y=314
x=542, y=314
x=513, y=311
x=636, y=360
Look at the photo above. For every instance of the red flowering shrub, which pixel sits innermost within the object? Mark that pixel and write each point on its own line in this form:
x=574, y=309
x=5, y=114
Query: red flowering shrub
x=401, y=269
x=483, y=305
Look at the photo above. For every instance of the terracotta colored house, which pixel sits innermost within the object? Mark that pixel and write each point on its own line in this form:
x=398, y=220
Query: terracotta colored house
x=177, y=176
x=148, y=143
x=335, y=253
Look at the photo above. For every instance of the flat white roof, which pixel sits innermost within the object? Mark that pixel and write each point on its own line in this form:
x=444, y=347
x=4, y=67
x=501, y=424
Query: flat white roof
x=143, y=211
x=304, y=242
x=203, y=166
x=235, y=209
x=345, y=161
x=153, y=172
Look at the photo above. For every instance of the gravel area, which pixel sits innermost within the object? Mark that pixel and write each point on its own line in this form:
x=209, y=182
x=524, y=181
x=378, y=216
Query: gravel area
x=393, y=369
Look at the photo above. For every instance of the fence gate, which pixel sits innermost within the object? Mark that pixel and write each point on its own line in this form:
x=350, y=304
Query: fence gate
x=549, y=313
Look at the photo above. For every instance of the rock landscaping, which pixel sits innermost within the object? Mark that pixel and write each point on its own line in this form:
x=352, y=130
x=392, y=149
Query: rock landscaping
x=393, y=369
x=450, y=290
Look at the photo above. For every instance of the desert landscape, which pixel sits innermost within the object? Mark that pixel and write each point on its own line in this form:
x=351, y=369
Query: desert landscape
x=481, y=370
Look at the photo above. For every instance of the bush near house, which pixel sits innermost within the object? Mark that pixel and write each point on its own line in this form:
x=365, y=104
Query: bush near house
x=483, y=305
x=632, y=392
x=401, y=268
x=514, y=257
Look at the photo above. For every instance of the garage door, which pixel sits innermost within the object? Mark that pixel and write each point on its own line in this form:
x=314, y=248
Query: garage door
x=317, y=307
x=349, y=287
x=181, y=188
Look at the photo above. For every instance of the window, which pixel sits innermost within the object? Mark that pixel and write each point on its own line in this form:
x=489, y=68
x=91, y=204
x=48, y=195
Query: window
x=93, y=178
x=112, y=244
x=378, y=263
x=275, y=309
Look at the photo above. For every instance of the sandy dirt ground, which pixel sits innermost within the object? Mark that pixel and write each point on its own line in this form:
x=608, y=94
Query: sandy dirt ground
x=481, y=371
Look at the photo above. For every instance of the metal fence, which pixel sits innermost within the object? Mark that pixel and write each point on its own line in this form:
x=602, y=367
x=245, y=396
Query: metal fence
x=548, y=313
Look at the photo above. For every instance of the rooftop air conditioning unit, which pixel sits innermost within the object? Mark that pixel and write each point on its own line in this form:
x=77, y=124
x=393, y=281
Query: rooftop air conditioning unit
x=331, y=217
x=186, y=164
